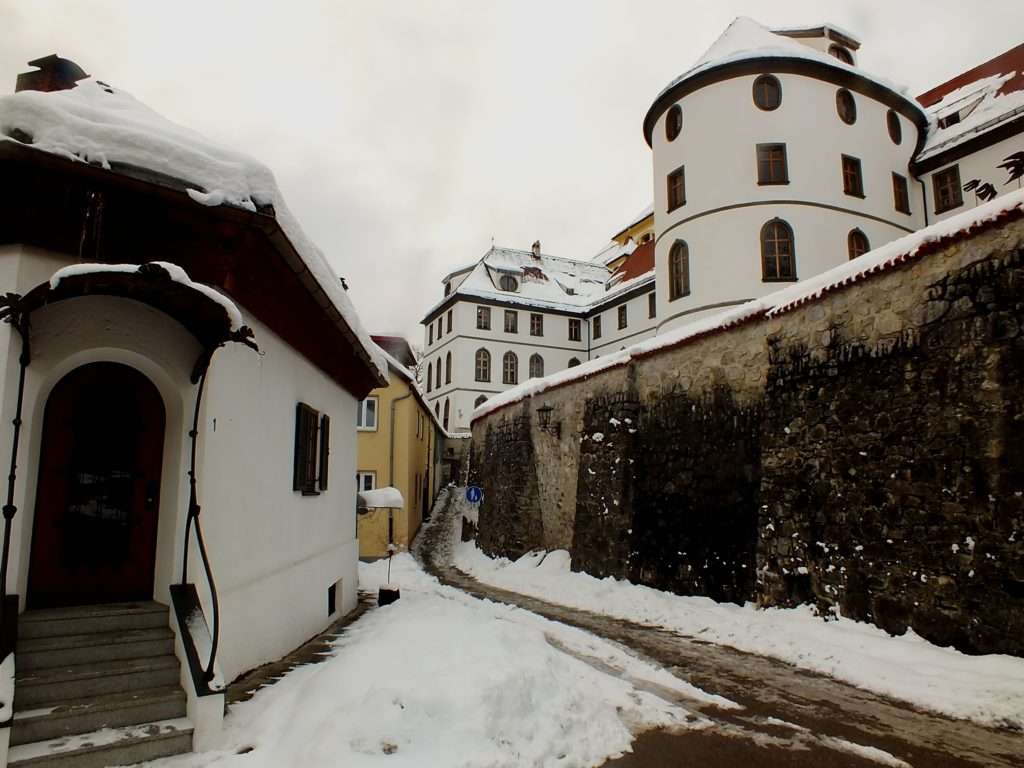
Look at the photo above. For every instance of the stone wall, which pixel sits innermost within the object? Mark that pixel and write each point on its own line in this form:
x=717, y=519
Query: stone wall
x=863, y=451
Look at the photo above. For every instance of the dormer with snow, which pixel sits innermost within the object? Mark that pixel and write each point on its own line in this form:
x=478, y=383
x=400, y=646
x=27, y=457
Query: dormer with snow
x=775, y=158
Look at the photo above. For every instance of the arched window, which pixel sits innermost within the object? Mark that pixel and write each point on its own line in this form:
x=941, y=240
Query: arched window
x=536, y=366
x=510, y=368
x=483, y=365
x=573, y=362
x=846, y=106
x=673, y=122
x=892, y=121
x=678, y=270
x=446, y=412
x=448, y=368
x=480, y=401
x=841, y=53
x=857, y=243
x=430, y=376
x=767, y=92
x=508, y=283
x=778, y=261
x=437, y=374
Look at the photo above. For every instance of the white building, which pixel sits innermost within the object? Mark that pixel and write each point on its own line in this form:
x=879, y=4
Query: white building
x=775, y=158
x=122, y=380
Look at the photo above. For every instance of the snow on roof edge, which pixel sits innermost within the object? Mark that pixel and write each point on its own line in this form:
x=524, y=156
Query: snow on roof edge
x=914, y=245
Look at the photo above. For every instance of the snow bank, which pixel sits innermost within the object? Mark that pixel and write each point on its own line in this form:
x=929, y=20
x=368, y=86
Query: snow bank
x=987, y=689
x=97, y=124
x=879, y=260
x=381, y=497
x=442, y=679
x=176, y=273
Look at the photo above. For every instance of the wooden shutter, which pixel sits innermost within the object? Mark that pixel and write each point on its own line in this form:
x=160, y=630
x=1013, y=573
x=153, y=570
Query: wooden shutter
x=325, y=449
x=306, y=422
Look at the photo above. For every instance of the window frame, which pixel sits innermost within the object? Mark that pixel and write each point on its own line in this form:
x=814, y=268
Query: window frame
x=623, y=316
x=511, y=321
x=482, y=362
x=370, y=473
x=953, y=172
x=575, y=324
x=678, y=270
x=764, y=154
x=595, y=326
x=854, y=172
x=758, y=97
x=536, y=324
x=840, y=53
x=510, y=374
x=846, y=106
x=673, y=122
x=306, y=468
x=652, y=305
x=894, y=127
x=536, y=358
x=900, y=193
x=447, y=414
x=448, y=321
x=852, y=236
x=778, y=277
x=573, y=362
x=479, y=401
x=361, y=411
x=430, y=333
x=448, y=368
x=506, y=280
x=676, y=192
x=483, y=318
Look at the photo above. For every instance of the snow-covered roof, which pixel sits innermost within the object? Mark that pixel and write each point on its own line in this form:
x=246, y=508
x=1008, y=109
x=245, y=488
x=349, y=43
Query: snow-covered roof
x=644, y=214
x=888, y=256
x=97, y=124
x=973, y=103
x=745, y=39
x=825, y=28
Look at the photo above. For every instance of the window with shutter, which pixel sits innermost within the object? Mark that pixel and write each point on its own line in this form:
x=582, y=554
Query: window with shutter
x=306, y=425
x=325, y=449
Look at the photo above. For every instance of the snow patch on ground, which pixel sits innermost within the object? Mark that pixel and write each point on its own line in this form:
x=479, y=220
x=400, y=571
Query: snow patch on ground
x=987, y=689
x=443, y=679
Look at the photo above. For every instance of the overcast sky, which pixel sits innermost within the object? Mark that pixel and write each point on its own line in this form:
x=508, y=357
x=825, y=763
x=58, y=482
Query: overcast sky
x=406, y=136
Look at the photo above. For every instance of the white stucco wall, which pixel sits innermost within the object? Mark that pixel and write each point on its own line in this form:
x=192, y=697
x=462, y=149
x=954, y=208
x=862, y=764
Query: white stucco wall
x=981, y=165
x=726, y=208
x=639, y=325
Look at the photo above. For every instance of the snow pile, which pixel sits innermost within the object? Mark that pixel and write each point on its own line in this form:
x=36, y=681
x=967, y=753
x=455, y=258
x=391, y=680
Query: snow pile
x=987, y=689
x=176, y=273
x=381, y=497
x=879, y=260
x=97, y=124
x=442, y=679
x=746, y=39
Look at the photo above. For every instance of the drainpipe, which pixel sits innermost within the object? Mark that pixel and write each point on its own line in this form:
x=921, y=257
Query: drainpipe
x=924, y=199
x=391, y=451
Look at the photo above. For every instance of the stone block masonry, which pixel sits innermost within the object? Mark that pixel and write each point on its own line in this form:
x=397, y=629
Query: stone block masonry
x=863, y=451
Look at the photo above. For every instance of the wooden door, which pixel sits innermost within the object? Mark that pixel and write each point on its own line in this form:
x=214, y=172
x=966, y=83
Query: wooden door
x=95, y=526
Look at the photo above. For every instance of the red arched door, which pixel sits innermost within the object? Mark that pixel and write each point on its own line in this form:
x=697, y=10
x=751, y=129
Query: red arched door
x=94, y=533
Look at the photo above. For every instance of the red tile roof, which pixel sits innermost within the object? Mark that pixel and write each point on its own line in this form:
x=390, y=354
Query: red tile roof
x=639, y=262
x=1011, y=61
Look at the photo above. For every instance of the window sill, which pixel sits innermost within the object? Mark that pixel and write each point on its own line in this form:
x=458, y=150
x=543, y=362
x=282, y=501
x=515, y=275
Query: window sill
x=680, y=296
x=366, y=429
x=676, y=208
x=900, y=210
x=779, y=279
x=310, y=493
x=772, y=183
x=860, y=195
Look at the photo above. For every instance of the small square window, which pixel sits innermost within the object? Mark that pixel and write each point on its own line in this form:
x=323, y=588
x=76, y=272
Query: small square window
x=366, y=481
x=622, y=317
x=511, y=321
x=676, y=189
x=483, y=318
x=771, y=164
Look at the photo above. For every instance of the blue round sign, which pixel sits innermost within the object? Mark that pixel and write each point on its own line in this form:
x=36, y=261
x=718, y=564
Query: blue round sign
x=474, y=494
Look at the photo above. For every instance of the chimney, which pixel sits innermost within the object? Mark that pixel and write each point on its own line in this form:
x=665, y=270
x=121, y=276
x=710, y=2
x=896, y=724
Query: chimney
x=536, y=249
x=53, y=74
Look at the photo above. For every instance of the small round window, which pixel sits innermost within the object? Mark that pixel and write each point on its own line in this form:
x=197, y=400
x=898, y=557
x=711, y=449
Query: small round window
x=841, y=53
x=767, y=92
x=846, y=106
x=892, y=120
x=508, y=283
x=673, y=123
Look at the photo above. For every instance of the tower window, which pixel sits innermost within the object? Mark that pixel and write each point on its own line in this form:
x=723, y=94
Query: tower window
x=892, y=122
x=778, y=261
x=673, y=123
x=841, y=53
x=857, y=243
x=767, y=92
x=678, y=271
x=900, y=195
x=771, y=164
x=846, y=106
x=853, y=182
x=676, y=189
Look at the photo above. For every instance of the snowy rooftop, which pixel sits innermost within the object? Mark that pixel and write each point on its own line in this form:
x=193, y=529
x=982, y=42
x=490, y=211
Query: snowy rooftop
x=746, y=39
x=97, y=124
x=879, y=260
x=975, y=102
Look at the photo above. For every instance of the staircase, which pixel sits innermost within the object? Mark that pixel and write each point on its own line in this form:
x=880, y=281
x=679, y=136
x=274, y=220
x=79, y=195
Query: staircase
x=97, y=686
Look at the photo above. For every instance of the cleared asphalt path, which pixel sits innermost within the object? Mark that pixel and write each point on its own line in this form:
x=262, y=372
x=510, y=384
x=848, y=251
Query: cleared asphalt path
x=790, y=717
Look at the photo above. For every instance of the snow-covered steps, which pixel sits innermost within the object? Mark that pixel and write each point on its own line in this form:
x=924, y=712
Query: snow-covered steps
x=97, y=686
x=126, y=745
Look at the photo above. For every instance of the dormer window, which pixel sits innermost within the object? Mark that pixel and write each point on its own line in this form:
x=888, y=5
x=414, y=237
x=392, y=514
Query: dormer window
x=508, y=283
x=447, y=288
x=840, y=53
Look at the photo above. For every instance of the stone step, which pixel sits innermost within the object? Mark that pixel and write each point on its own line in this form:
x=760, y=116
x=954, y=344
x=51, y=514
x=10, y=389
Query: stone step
x=69, y=650
x=108, y=747
x=58, y=684
x=77, y=716
x=92, y=619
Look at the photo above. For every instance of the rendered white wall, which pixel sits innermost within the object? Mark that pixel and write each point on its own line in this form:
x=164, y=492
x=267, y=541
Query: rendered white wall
x=639, y=326
x=982, y=165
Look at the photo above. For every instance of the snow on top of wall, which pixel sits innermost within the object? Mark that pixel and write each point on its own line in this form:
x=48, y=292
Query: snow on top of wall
x=387, y=496
x=825, y=25
x=746, y=39
x=879, y=260
x=176, y=273
x=97, y=124
x=980, y=106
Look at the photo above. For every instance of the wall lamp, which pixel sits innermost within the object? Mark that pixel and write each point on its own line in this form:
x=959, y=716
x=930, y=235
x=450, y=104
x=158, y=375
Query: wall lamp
x=544, y=421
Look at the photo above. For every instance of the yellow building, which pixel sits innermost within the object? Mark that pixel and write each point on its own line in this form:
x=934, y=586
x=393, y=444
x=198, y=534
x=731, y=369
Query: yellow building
x=400, y=443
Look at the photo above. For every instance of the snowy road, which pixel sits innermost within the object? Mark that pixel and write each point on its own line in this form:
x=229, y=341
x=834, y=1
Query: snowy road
x=790, y=717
